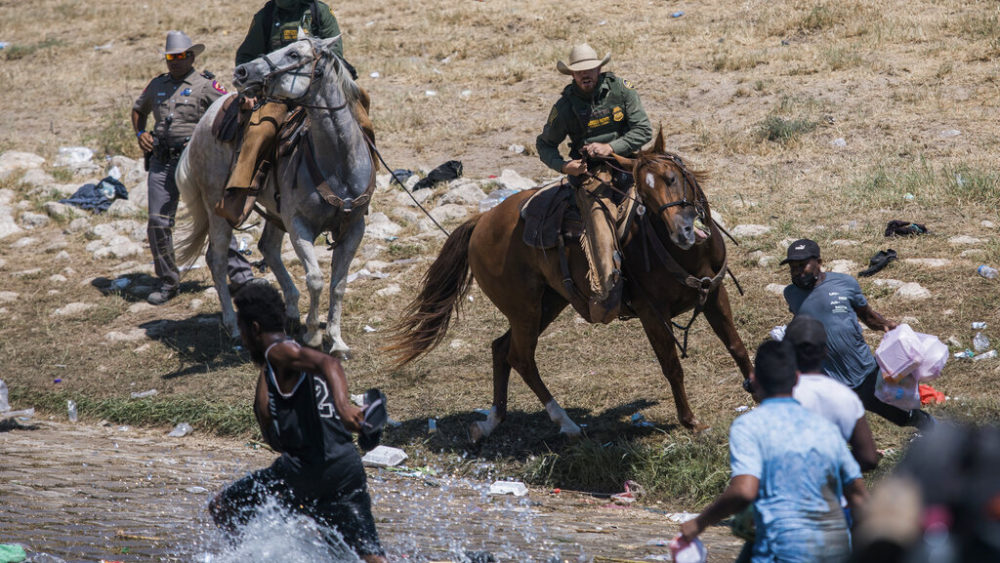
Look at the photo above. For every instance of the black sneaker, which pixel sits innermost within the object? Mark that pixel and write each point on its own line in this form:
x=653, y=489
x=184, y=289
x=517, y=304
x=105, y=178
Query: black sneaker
x=162, y=296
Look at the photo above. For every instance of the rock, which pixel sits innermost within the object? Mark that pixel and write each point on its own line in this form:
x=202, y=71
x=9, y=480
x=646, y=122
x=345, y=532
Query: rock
x=767, y=261
x=382, y=181
x=37, y=177
x=132, y=172
x=948, y=133
x=512, y=180
x=27, y=273
x=987, y=224
x=516, y=149
x=964, y=240
x=913, y=291
x=118, y=247
x=58, y=210
x=380, y=226
x=34, y=220
x=14, y=160
x=77, y=225
x=718, y=219
x=25, y=242
x=775, y=288
x=421, y=196
x=408, y=216
x=123, y=208
x=195, y=304
x=844, y=242
x=139, y=194
x=449, y=212
x=140, y=306
x=973, y=253
x=72, y=309
x=839, y=142
x=63, y=256
x=389, y=290
x=132, y=229
x=466, y=193
x=70, y=156
x=210, y=293
x=8, y=226
x=8, y=296
x=133, y=335
x=888, y=282
x=928, y=262
x=841, y=266
x=58, y=278
x=750, y=231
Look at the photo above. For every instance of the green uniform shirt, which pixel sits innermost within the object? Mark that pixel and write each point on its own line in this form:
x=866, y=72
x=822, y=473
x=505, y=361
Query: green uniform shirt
x=177, y=105
x=285, y=29
x=613, y=115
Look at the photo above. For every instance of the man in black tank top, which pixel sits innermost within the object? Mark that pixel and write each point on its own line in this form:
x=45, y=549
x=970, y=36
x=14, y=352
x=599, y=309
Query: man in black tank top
x=305, y=413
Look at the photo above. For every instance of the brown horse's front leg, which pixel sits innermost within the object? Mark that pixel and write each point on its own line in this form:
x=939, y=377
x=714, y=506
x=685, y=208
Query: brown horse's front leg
x=501, y=380
x=720, y=317
x=663, y=345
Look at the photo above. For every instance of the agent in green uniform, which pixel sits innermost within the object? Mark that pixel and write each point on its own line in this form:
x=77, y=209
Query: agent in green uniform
x=274, y=26
x=602, y=115
x=177, y=99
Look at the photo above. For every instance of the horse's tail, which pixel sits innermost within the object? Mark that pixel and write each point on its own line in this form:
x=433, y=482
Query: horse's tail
x=192, y=243
x=425, y=320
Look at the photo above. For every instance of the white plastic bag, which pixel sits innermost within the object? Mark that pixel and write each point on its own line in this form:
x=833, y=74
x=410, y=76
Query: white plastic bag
x=898, y=352
x=904, y=394
x=933, y=356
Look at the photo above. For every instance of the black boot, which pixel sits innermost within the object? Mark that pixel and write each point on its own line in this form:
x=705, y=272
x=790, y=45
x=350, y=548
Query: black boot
x=879, y=261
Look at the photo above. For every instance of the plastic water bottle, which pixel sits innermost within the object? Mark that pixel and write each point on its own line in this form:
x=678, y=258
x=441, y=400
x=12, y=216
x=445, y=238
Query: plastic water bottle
x=985, y=356
x=4, y=405
x=71, y=410
x=980, y=342
x=987, y=272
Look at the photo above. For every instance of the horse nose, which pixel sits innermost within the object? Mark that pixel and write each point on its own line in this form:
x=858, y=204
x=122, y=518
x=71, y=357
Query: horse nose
x=240, y=73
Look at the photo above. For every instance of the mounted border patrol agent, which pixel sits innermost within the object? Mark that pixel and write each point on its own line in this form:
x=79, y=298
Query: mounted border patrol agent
x=177, y=99
x=276, y=25
x=602, y=115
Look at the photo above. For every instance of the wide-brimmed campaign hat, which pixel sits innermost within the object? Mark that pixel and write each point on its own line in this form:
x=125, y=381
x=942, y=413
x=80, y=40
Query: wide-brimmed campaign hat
x=179, y=42
x=582, y=57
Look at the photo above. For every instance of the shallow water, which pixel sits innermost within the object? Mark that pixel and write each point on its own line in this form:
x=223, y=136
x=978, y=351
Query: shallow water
x=85, y=493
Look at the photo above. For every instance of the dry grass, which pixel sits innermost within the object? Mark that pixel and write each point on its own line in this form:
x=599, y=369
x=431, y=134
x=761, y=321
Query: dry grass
x=888, y=78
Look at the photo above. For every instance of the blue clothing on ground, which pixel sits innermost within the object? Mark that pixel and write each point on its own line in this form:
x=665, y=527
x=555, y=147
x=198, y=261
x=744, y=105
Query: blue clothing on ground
x=803, y=465
x=91, y=196
x=832, y=302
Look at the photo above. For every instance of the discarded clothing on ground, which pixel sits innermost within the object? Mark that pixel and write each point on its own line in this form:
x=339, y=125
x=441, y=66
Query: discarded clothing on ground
x=447, y=171
x=880, y=260
x=400, y=175
x=97, y=197
x=897, y=228
x=930, y=395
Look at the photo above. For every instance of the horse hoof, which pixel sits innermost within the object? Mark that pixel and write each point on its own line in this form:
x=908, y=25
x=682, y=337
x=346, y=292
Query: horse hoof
x=315, y=340
x=476, y=433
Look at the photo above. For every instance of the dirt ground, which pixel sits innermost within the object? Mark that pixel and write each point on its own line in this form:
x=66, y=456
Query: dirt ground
x=85, y=492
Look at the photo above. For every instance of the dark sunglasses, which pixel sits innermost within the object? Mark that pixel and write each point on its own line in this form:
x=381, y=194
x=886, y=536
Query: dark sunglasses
x=179, y=56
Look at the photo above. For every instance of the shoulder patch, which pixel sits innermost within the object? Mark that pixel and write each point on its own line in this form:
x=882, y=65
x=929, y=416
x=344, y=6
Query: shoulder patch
x=207, y=74
x=552, y=116
x=628, y=83
x=219, y=87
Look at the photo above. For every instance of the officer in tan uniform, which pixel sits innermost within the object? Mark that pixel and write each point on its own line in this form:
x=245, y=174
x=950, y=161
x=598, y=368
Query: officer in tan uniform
x=177, y=99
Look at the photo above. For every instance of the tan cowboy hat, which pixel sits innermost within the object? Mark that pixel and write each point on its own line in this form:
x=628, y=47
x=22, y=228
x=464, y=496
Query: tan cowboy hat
x=179, y=42
x=582, y=57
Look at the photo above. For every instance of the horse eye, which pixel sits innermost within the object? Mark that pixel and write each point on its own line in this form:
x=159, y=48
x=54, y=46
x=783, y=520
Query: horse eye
x=293, y=55
x=671, y=178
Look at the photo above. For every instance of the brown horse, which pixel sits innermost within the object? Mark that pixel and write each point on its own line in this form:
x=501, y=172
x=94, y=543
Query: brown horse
x=669, y=266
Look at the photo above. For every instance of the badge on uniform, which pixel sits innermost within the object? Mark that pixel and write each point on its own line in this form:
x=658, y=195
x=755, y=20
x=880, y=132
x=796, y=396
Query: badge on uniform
x=186, y=92
x=219, y=88
x=618, y=114
x=628, y=83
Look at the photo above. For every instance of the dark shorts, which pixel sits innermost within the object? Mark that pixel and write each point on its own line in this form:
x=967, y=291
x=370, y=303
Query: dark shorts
x=336, y=499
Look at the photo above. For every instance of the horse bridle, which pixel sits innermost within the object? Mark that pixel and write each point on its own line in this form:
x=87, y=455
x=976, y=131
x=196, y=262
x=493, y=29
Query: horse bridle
x=683, y=201
x=315, y=72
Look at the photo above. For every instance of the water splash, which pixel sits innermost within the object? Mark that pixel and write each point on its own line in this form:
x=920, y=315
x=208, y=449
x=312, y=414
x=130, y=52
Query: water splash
x=278, y=534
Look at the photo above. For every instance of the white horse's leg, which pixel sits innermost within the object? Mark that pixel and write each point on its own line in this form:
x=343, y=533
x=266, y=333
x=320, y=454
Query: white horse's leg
x=270, y=247
x=219, y=235
x=302, y=241
x=343, y=253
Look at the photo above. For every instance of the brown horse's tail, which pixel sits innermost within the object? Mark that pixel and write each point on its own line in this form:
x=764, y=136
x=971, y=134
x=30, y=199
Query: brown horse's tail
x=425, y=320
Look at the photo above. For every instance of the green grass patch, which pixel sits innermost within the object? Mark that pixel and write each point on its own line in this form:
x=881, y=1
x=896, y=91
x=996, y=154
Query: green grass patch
x=16, y=52
x=685, y=470
x=784, y=131
x=957, y=185
x=233, y=418
x=113, y=134
x=404, y=250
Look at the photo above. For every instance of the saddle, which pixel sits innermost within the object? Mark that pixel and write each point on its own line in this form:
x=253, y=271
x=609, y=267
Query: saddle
x=549, y=214
x=230, y=120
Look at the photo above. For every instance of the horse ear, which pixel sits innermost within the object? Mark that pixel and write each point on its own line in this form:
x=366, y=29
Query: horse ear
x=658, y=146
x=626, y=163
x=329, y=43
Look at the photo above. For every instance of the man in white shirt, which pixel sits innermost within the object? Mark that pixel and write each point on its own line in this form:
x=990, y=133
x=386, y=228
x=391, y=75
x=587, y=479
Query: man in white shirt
x=826, y=396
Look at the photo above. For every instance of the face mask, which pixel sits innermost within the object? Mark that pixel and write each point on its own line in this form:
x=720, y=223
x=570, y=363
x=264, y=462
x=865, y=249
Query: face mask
x=805, y=281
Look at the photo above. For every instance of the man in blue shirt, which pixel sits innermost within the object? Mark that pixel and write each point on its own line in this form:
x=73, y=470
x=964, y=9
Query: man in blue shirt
x=836, y=301
x=793, y=465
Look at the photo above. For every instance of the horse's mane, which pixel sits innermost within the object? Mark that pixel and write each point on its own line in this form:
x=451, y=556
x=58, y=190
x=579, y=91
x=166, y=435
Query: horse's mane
x=352, y=92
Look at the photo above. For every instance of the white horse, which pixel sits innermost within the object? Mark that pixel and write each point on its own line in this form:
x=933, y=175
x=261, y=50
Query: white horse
x=309, y=74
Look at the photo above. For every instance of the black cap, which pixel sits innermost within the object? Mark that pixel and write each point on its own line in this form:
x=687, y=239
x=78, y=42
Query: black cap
x=805, y=330
x=802, y=249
